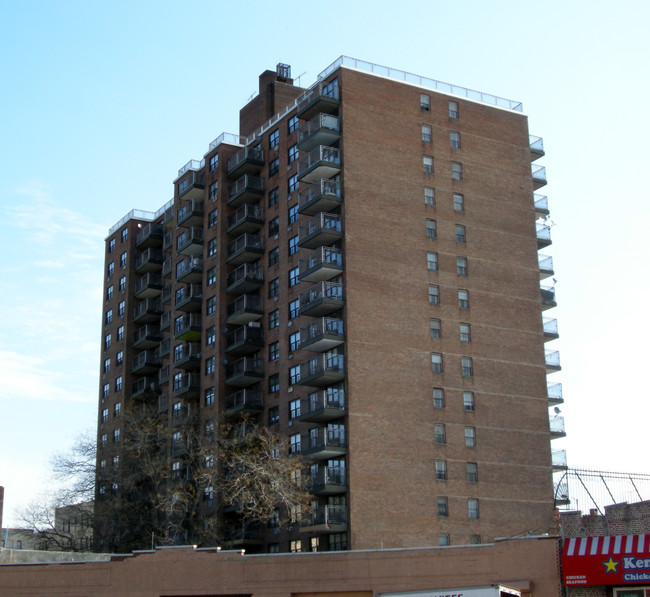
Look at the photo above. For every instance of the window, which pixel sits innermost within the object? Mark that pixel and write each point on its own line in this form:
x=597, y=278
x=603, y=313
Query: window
x=116, y=435
x=107, y=365
x=463, y=299
x=441, y=470
x=434, y=294
x=211, y=305
x=211, y=276
x=208, y=495
x=431, y=228
x=294, y=276
x=294, y=409
x=460, y=233
x=439, y=434
x=294, y=443
x=293, y=124
x=120, y=332
x=104, y=415
x=107, y=341
x=121, y=308
x=274, y=139
x=274, y=196
x=209, y=428
x=456, y=171
x=432, y=260
x=274, y=226
x=475, y=539
x=210, y=336
x=453, y=109
x=294, y=308
x=465, y=335
x=274, y=415
x=122, y=283
x=337, y=542
x=438, y=398
x=111, y=268
x=123, y=259
x=459, y=202
x=427, y=164
x=117, y=409
x=425, y=103
x=111, y=245
x=295, y=513
x=109, y=293
x=293, y=214
x=443, y=508
x=472, y=508
x=125, y=234
x=293, y=153
x=461, y=266
x=274, y=256
x=429, y=196
x=454, y=140
x=294, y=341
x=119, y=357
x=104, y=440
x=274, y=351
x=274, y=167
x=435, y=328
x=214, y=162
x=118, y=383
x=443, y=540
x=470, y=437
x=109, y=316
x=467, y=368
x=209, y=396
x=209, y=366
x=293, y=245
x=436, y=362
x=274, y=548
x=274, y=288
x=293, y=183
x=274, y=319
x=212, y=247
x=295, y=545
x=294, y=375
x=214, y=190
x=468, y=401
x=274, y=383
x=426, y=133
x=472, y=472
x=212, y=218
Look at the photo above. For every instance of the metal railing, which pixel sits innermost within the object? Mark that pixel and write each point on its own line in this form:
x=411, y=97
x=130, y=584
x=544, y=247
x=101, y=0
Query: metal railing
x=252, y=271
x=322, y=153
x=318, y=122
x=243, y=303
x=243, y=212
x=321, y=221
x=324, y=326
x=254, y=153
x=244, y=242
x=324, y=186
x=333, y=290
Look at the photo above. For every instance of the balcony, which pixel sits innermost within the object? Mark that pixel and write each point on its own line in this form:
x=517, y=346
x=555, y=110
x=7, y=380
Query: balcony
x=179, y=447
x=187, y=385
x=323, y=370
x=247, y=218
x=146, y=362
x=536, y=147
x=168, y=240
x=548, y=297
x=247, y=189
x=165, y=321
x=188, y=327
x=554, y=392
x=191, y=185
x=163, y=403
x=248, y=160
x=245, y=402
x=558, y=458
x=323, y=406
x=190, y=270
x=320, y=265
x=324, y=195
x=188, y=298
x=541, y=205
x=323, y=229
x=539, y=176
x=550, y=329
x=167, y=267
x=322, y=162
x=552, y=358
x=150, y=235
x=163, y=376
x=148, y=310
x=245, y=536
x=322, y=129
x=321, y=299
x=148, y=336
x=325, y=519
x=149, y=261
x=190, y=242
x=545, y=266
x=328, y=480
x=191, y=214
x=323, y=443
x=245, y=279
x=166, y=294
x=149, y=286
x=323, y=97
x=244, y=249
x=144, y=387
x=168, y=217
x=543, y=233
x=244, y=340
x=163, y=349
x=187, y=356
x=244, y=372
x=244, y=309
x=323, y=334
x=557, y=427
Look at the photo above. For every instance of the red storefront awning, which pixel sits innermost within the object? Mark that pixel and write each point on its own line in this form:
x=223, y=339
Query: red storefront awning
x=617, y=560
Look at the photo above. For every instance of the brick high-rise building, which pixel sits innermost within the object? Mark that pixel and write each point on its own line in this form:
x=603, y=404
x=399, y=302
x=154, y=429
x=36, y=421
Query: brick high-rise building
x=359, y=270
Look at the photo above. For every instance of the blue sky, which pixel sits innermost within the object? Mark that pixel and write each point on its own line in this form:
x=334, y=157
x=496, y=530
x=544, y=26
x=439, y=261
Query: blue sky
x=102, y=102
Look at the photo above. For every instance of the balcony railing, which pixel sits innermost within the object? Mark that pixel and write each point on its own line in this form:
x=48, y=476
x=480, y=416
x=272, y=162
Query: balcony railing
x=188, y=298
x=188, y=327
x=322, y=129
x=187, y=385
x=190, y=270
x=323, y=334
x=324, y=442
x=322, y=370
x=557, y=427
x=324, y=405
x=144, y=386
x=322, y=229
x=244, y=249
x=247, y=160
x=545, y=266
x=550, y=328
x=558, y=457
x=244, y=279
x=245, y=402
x=163, y=376
x=244, y=340
x=543, y=234
x=244, y=372
x=190, y=241
x=147, y=310
x=145, y=362
x=147, y=336
x=322, y=264
x=165, y=320
x=320, y=196
x=191, y=185
x=327, y=519
x=321, y=162
x=150, y=235
x=541, y=205
x=536, y=147
x=554, y=392
x=321, y=299
x=191, y=214
x=328, y=480
x=539, y=176
x=246, y=189
x=187, y=356
x=244, y=309
x=149, y=285
x=167, y=267
x=552, y=358
x=548, y=297
x=247, y=218
x=323, y=97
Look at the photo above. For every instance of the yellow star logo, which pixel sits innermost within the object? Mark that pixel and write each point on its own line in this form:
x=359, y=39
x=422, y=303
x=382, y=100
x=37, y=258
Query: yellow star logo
x=610, y=565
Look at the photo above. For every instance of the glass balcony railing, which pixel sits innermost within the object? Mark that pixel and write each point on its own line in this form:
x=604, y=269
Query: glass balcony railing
x=554, y=392
x=552, y=358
